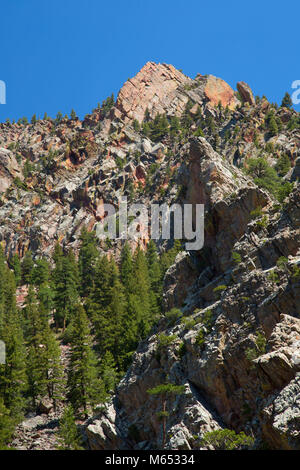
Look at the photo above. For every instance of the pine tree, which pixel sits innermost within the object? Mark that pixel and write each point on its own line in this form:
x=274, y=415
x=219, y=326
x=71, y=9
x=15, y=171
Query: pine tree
x=174, y=125
x=283, y=165
x=45, y=296
x=68, y=435
x=73, y=115
x=168, y=257
x=84, y=387
x=44, y=368
x=287, y=101
x=15, y=265
x=87, y=258
x=100, y=295
x=273, y=127
x=51, y=365
x=165, y=391
x=136, y=125
x=155, y=277
x=186, y=119
x=3, y=274
x=116, y=327
x=14, y=379
x=159, y=127
x=34, y=334
x=126, y=268
x=108, y=372
x=59, y=117
x=41, y=272
x=107, y=307
x=13, y=372
x=27, y=267
x=139, y=303
x=65, y=283
x=6, y=426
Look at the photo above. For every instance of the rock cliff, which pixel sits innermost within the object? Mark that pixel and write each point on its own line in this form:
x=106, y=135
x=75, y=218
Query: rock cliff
x=235, y=343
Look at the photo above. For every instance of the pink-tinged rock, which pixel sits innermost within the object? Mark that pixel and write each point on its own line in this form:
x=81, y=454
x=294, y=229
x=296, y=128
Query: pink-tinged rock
x=153, y=88
x=217, y=91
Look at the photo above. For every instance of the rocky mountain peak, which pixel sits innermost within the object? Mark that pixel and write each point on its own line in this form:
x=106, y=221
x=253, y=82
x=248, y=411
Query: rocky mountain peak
x=161, y=88
x=153, y=88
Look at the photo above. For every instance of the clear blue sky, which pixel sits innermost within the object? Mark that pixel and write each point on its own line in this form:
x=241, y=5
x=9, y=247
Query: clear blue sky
x=62, y=54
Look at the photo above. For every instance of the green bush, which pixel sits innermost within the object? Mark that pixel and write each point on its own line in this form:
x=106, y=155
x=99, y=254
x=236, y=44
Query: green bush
x=282, y=262
x=181, y=350
x=219, y=289
x=188, y=323
x=173, y=315
x=296, y=273
x=259, y=350
x=236, y=257
x=164, y=341
x=263, y=223
x=273, y=277
x=200, y=338
x=225, y=439
x=263, y=174
x=256, y=213
x=283, y=165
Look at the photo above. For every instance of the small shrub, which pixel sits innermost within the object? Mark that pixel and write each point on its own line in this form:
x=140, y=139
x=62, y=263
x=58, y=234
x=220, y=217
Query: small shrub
x=188, y=323
x=200, y=338
x=225, y=439
x=181, y=350
x=173, y=315
x=207, y=319
x=256, y=213
x=263, y=223
x=282, y=263
x=296, y=273
x=259, y=350
x=236, y=257
x=164, y=341
x=273, y=277
x=219, y=289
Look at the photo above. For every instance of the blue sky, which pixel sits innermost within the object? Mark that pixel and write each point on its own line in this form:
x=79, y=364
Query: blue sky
x=62, y=54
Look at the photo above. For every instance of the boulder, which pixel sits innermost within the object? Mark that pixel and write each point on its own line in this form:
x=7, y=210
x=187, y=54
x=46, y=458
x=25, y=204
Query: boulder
x=45, y=406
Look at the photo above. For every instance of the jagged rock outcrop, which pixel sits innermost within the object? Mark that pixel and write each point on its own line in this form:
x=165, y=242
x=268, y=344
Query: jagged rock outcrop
x=246, y=93
x=178, y=279
x=160, y=88
x=281, y=417
x=154, y=88
x=9, y=169
x=296, y=171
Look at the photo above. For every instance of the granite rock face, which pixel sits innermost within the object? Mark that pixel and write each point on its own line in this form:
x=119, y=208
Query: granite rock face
x=235, y=349
x=229, y=380
x=154, y=88
x=9, y=169
x=163, y=89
